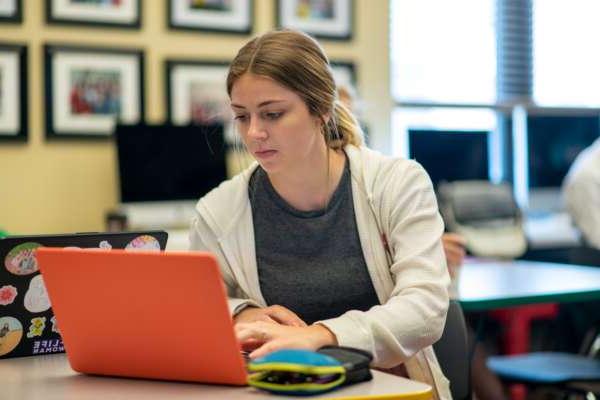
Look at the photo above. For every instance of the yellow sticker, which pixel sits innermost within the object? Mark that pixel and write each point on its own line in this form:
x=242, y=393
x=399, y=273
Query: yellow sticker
x=38, y=324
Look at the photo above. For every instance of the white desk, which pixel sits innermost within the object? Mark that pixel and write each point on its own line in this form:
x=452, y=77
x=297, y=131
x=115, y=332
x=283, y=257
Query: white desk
x=49, y=377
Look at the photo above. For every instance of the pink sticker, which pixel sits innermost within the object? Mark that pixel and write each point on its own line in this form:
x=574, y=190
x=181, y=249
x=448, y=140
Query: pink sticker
x=21, y=259
x=7, y=295
x=144, y=242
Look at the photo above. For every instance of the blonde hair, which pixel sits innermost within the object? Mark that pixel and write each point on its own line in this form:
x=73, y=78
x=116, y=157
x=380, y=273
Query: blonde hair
x=297, y=61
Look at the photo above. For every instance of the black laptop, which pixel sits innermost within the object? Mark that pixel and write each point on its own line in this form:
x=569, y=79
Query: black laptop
x=27, y=324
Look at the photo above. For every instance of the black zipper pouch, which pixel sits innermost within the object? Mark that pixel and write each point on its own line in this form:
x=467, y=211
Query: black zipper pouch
x=355, y=361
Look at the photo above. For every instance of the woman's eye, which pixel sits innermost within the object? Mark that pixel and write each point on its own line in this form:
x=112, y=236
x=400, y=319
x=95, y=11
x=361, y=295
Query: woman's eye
x=273, y=115
x=240, y=118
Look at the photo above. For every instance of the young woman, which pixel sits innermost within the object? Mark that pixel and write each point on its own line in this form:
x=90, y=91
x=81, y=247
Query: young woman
x=323, y=241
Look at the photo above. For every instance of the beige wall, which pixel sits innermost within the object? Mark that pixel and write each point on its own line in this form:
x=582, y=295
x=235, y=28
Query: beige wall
x=48, y=187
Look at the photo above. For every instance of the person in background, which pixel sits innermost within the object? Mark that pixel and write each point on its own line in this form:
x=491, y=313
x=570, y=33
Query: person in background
x=323, y=241
x=581, y=191
x=454, y=249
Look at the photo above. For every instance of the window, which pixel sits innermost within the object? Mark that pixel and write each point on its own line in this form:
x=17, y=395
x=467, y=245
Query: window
x=443, y=51
x=565, y=56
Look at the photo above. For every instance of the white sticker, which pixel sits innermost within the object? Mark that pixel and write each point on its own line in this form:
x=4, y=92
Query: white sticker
x=36, y=298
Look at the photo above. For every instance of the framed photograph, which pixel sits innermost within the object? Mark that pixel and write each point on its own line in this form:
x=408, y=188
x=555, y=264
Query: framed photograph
x=197, y=94
x=13, y=92
x=328, y=19
x=344, y=73
x=102, y=13
x=89, y=89
x=11, y=10
x=226, y=16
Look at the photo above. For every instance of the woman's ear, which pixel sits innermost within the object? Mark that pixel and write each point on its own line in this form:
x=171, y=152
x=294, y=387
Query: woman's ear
x=324, y=119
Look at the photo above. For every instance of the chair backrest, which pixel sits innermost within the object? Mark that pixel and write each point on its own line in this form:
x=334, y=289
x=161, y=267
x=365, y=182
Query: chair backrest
x=452, y=352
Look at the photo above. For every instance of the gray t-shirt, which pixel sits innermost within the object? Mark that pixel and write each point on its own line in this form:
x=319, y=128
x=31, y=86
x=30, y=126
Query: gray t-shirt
x=310, y=262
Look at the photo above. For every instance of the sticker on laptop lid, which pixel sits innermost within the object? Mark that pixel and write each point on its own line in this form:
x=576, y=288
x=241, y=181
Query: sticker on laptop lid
x=8, y=293
x=11, y=332
x=38, y=324
x=48, y=346
x=36, y=298
x=54, y=325
x=21, y=259
x=143, y=242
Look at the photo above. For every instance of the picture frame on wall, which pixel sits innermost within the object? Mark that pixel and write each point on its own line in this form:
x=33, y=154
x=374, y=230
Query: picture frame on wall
x=224, y=16
x=11, y=11
x=196, y=94
x=13, y=92
x=100, y=13
x=90, y=89
x=327, y=19
x=344, y=73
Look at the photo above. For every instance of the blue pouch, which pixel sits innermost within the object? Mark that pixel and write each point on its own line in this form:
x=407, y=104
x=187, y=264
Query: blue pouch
x=304, y=372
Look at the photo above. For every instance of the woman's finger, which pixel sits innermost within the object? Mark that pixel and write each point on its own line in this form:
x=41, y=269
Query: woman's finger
x=267, y=348
x=252, y=331
x=284, y=316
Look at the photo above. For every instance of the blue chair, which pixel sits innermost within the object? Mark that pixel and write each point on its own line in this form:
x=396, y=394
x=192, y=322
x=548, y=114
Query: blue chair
x=555, y=369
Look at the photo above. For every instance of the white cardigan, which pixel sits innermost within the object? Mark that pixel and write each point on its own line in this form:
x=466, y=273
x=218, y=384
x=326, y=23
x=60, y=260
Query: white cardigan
x=393, y=199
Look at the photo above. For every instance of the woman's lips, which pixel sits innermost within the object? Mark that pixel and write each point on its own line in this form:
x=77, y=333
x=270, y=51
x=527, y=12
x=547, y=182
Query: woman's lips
x=264, y=154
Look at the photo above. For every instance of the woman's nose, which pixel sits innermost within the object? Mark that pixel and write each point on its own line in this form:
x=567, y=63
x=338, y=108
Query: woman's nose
x=256, y=130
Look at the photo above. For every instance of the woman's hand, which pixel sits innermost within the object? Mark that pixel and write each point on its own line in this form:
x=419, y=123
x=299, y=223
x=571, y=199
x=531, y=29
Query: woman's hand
x=273, y=314
x=265, y=337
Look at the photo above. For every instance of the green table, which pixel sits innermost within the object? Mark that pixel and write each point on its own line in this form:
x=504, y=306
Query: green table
x=484, y=285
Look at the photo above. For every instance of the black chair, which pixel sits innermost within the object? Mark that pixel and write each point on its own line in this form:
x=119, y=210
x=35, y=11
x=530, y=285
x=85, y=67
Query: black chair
x=452, y=352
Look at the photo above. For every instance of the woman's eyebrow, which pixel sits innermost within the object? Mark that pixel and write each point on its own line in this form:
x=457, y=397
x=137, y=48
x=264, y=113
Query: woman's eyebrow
x=262, y=104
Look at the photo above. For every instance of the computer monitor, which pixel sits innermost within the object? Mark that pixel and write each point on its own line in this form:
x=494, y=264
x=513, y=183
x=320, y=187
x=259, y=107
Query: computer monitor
x=553, y=144
x=451, y=155
x=167, y=162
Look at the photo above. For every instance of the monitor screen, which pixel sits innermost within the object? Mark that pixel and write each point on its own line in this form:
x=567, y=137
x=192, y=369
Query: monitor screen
x=450, y=155
x=166, y=162
x=553, y=144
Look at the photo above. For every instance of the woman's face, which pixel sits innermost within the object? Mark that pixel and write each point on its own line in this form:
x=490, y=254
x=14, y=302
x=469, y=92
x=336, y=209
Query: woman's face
x=275, y=124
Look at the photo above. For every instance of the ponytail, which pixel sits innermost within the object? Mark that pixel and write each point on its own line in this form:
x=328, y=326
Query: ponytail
x=342, y=128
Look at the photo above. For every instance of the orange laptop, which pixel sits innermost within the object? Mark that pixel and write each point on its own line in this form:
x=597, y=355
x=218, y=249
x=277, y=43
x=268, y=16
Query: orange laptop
x=142, y=314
